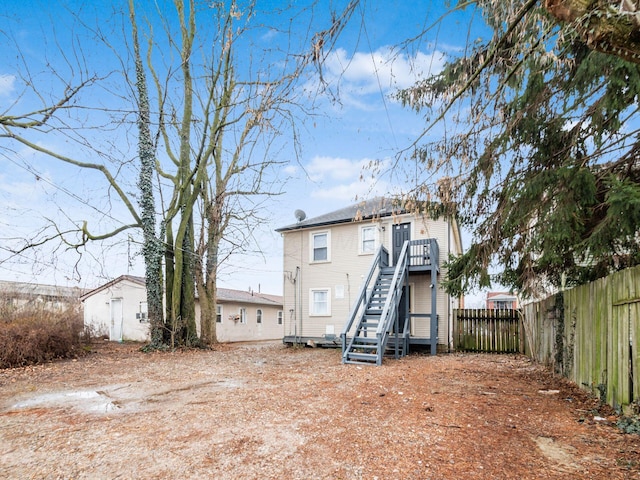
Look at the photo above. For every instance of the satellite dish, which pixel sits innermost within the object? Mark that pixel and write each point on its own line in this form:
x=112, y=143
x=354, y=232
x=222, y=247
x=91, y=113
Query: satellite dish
x=300, y=215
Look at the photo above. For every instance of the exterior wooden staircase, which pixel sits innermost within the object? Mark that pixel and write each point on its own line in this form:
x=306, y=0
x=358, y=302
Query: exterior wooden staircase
x=377, y=314
x=374, y=328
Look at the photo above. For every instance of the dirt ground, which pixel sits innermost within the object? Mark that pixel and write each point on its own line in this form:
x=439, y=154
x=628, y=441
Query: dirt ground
x=265, y=411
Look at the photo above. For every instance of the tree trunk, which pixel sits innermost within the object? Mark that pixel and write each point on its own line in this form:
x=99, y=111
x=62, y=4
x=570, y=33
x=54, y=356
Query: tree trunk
x=152, y=247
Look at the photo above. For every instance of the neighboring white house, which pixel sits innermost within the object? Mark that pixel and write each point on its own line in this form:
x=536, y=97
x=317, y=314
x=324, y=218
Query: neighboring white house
x=21, y=295
x=118, y=309
x=327, y=260
x=245, y=316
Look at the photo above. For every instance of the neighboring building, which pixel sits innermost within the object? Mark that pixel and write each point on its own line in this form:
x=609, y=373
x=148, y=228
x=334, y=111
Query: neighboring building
x=19, y=295
x=246, y=316
x=502, y=301
x=327, y=264
x=118, y=310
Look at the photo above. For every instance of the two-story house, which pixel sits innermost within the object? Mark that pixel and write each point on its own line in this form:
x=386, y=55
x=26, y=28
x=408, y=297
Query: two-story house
x=366, y=277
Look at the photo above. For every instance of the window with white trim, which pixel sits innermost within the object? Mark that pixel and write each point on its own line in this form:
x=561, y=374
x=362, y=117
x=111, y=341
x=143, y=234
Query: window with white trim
x=320, y=304
x=259, y=315
x=368, y=239
x=243, y=315
x=218, y=313
x=320, y=247
x=280, y=315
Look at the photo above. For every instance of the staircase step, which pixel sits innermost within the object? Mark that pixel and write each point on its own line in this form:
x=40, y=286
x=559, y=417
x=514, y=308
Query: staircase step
x=369, y=340
x=362, y=356
x=364, y=346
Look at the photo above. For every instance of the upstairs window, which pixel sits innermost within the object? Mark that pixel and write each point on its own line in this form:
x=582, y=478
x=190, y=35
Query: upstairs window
x=368, y=239
x=320, y=247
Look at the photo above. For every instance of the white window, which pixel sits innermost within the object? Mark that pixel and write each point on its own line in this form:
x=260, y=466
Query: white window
x=368, y=239
x=143, y=313
x=218, y=313
x=243, y=315
x=259, y=315
x=279, y=317
x=503, y=305
x=320, y=247
x=320, y=302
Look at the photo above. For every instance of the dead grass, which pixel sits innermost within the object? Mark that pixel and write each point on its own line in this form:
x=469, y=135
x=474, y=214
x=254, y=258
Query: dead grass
x=35, y=335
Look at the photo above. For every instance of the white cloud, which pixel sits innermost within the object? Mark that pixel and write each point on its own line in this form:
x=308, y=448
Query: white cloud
x=378, y=72
x=344, y=179
x=7, y=84
x=291, y=169
x=335, y=168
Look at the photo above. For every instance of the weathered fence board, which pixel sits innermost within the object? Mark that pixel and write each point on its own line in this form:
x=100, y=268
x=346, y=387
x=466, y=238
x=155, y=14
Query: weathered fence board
x=590, y=334
x=495, y=331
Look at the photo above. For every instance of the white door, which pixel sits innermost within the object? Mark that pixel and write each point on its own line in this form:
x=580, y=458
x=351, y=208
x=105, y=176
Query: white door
x=115, y=332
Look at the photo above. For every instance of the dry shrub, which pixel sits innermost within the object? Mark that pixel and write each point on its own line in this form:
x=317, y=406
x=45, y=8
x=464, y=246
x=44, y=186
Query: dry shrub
x=36, y=335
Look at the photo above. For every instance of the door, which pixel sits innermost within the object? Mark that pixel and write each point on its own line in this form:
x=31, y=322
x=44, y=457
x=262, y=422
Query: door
x=401, y=234
x=115, y=331
x=404, y=309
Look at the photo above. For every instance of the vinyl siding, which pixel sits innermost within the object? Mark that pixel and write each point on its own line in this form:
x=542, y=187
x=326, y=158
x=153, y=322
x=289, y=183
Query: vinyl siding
x=345, y=273
x=232, y=331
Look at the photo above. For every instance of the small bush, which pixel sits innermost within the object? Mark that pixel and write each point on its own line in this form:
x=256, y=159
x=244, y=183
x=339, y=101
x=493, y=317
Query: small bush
x=34, y=335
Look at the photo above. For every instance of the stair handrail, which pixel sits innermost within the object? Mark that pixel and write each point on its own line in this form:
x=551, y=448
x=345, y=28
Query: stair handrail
x=379, y=261
x=389, y=311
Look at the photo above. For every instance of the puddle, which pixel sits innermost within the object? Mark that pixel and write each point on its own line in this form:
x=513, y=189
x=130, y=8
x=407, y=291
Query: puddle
x=86, y=400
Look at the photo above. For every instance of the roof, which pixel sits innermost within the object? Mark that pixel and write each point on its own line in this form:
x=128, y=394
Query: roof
x=131, y=278
x=241, y=296
x=367, y=209
x=36, y=289
x=502, y=297
x=224, y=294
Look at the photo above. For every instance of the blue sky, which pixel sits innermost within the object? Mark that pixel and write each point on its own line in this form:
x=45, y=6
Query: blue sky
x=338, y=141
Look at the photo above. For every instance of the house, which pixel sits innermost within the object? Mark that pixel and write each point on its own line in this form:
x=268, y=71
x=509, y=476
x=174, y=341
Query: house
x=20, y=295
x=246, y=316
x=118, y=309
x=367, y=278
x=501, y=301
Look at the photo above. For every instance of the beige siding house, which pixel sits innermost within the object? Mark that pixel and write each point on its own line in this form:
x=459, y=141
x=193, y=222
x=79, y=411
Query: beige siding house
x=328, y=259
x=247, y=316
x=118, y=310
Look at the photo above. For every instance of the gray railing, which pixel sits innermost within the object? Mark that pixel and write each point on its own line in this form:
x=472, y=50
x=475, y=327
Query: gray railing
x=390, y=310
x=423, y=253
x=381, y=260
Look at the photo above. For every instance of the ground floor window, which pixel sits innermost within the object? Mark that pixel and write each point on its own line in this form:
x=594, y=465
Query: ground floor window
x=320, y=301
x=279, y=317
x=218, y=313
x=259, y=315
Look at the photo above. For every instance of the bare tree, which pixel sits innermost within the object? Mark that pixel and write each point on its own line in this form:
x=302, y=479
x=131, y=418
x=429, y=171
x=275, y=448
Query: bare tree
x=219, y=132
x=219, y=109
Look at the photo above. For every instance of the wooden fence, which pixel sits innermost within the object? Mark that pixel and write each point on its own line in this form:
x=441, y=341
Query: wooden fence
x=590, y=335
x=495, y=331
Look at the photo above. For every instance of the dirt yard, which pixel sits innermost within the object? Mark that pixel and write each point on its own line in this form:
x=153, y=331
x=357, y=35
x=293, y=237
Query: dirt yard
x=264, y=411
